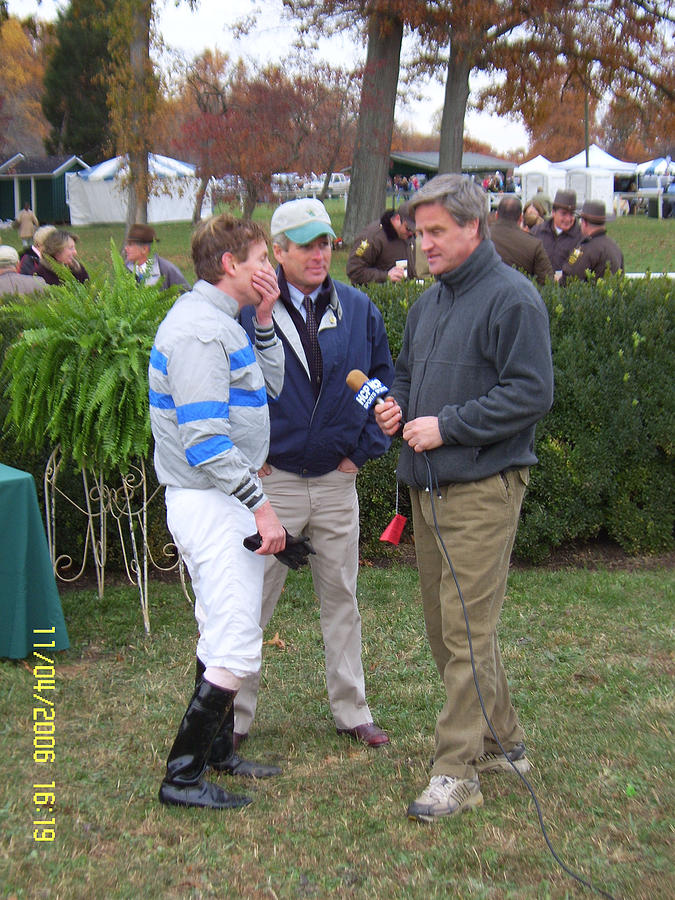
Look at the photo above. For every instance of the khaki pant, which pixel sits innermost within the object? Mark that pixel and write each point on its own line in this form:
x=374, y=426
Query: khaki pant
x=478, y=522
x=325, y=508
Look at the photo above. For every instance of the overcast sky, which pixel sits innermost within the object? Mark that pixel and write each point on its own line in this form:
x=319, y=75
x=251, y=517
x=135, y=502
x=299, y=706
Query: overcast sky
x=192, y=32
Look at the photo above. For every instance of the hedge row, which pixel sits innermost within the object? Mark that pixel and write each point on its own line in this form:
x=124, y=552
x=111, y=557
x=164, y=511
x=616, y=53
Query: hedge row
x=605, y=450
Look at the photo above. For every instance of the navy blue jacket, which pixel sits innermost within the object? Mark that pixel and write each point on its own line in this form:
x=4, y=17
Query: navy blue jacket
x=311, y=436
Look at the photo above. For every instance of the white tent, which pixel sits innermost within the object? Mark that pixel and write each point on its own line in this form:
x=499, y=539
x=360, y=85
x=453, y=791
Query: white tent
x=536, y=164
x=100, y=194
x=663, y=165
x=592, y=184
x=598, y=159
x=539, y=172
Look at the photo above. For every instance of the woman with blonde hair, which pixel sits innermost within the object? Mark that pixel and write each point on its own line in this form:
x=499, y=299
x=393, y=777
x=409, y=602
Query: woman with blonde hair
x=59, y=246
x=32, y=256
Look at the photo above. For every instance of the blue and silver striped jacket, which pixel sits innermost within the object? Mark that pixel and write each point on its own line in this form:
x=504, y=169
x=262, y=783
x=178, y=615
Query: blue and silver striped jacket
x=208, y=396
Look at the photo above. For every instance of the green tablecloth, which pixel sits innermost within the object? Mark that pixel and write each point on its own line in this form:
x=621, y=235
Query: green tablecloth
x=28, y=596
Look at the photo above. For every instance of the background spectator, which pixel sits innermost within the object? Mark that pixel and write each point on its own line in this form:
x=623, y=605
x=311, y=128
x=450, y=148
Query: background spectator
x=148, y=270
x=27, y=223
x=561, y=233
x=518, y=248
x=31, y=257
x=60, y=246
x=11, y=281
x=379, y=248
x=596, y=251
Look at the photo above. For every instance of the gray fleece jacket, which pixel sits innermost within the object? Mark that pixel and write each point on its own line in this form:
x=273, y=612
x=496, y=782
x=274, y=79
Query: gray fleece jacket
x=477, y=354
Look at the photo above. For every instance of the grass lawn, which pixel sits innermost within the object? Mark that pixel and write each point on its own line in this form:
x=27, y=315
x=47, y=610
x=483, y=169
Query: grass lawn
x=590, y=660
x=647, y=244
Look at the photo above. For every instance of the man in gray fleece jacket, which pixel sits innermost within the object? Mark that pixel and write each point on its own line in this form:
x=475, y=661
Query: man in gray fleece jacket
x=473, y=378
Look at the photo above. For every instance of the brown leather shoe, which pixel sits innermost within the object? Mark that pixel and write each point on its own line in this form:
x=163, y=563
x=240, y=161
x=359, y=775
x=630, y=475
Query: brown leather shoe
x=369, y=733
x=238, y=739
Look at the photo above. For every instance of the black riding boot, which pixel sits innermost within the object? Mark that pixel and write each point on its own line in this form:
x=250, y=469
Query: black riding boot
x=222, y=756
x=183, y=783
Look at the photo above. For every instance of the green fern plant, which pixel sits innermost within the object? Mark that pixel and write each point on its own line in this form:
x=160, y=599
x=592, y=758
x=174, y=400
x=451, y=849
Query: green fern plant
x=77, y=373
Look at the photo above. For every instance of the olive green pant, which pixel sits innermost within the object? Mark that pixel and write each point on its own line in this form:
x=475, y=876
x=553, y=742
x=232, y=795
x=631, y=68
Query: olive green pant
x=477, y=521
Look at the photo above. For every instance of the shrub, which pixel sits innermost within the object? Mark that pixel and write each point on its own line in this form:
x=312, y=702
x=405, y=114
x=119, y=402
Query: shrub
x=606, y=448
x=77, y=373
x=74, y=374
x=394, y=301
x=377, y=481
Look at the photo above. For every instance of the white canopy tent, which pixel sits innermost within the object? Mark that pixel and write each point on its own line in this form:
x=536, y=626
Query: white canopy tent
x=598, y=159
x=663, y=165
x=539, y=172
x=592, y=184
x=101, y=194
x=538, y=163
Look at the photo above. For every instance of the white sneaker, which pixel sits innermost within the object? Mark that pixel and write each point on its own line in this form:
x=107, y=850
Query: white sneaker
x=497, y=762
x=446, y=796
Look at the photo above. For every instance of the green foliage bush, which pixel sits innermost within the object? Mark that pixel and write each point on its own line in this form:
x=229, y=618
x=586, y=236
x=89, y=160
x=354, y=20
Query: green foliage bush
x=77, y=372
x=74, y=374
x=606, y=448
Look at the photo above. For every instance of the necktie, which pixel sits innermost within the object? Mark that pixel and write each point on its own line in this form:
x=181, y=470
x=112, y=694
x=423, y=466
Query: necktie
x=315, y=364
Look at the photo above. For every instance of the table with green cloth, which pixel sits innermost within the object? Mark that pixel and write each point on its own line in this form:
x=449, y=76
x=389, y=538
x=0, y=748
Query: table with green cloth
x=30, y=606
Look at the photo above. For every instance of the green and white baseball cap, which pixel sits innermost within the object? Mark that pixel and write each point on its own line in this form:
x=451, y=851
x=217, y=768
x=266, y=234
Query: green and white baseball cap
x=301, y=220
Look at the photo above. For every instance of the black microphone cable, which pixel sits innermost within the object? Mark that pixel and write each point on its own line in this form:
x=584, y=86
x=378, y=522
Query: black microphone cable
x=431, y=481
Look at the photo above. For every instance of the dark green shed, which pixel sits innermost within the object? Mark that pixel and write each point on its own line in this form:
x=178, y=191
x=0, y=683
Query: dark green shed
x=40, y=181
x=402, y=162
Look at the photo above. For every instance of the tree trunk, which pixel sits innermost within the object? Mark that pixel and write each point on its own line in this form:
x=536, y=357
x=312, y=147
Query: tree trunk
x=324, y=186
x=199, y=200
x=454, y=111
x=141, y=70
x=368, y=188
x=250, y=200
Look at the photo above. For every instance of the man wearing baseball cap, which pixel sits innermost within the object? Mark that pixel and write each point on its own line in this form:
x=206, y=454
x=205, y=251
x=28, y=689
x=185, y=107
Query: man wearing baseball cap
x=596, y=251
x=320, y=437
x=561, y=233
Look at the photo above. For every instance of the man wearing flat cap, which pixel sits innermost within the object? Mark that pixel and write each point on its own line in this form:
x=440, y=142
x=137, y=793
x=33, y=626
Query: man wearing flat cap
x=596, y=252
x=155, y=270
x=319, y=439
x=561, y=233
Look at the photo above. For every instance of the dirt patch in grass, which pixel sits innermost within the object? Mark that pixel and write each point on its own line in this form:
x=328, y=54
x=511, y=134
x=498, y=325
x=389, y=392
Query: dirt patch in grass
x=598, y=554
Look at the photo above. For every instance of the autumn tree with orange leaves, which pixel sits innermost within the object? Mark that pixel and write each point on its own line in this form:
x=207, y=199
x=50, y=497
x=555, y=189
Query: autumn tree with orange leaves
x=383, y=22
x=599, y=47
x=637, y=134
x=253, y=123
x=22, y=51
x=573, y=52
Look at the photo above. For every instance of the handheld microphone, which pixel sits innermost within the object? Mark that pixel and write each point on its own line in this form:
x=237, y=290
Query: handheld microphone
x=368, y=391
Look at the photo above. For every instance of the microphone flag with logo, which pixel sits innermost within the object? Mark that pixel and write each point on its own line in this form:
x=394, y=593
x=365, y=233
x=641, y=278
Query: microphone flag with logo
x=368, y=392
